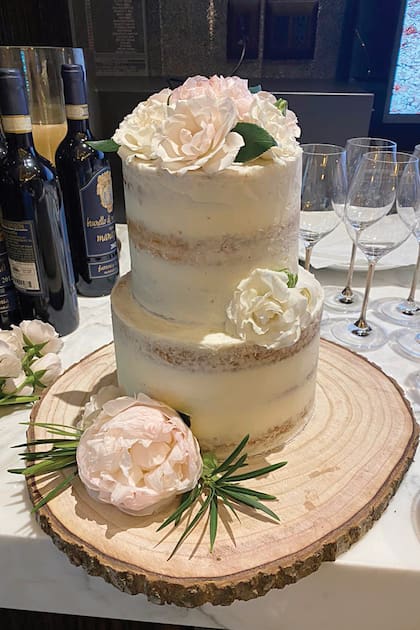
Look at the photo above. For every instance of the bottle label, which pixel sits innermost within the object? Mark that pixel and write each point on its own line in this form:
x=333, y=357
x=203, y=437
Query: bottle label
x=103, y=269
x=5, y=275
x=23, y=255
x=8, y=301
x=98, y=220
x=16, y=124
x=77, y=112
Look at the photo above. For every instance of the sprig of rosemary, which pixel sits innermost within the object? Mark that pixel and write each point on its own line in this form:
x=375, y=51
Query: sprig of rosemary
x=60, y=456
x=219, y=482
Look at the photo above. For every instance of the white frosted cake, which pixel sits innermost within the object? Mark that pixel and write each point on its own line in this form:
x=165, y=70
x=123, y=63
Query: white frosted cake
x=210, y=320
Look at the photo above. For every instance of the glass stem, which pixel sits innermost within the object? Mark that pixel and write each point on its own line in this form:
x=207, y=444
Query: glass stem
x=411, y=297
x=361, y=323
x=347, y=293
x=308, y=252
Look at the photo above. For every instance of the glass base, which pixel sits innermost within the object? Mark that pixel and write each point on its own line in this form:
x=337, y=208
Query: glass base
x=346, y=332
x=400, y=311
x=333, y=297
x=409, y=341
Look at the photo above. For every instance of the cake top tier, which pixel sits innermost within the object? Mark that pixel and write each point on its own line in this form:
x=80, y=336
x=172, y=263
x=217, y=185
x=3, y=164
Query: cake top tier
x=209, y=124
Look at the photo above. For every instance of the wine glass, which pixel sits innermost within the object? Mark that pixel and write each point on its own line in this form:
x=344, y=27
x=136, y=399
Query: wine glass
x=324, y=186
x=348, y=300
x=407, y=312
x=376, y=227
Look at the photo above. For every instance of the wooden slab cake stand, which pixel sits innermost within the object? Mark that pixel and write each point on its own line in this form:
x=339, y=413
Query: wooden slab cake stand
x=342, y=470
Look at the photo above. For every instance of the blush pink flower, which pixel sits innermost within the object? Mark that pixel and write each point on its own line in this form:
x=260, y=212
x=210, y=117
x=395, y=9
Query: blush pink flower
x=137, y=455
x=233, y=88
x=198, y=135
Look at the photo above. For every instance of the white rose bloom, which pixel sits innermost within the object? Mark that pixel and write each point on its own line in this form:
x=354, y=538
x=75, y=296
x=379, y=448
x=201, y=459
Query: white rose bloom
x=265, y=311
x=138, y=129
x=39, y=332
x=14, y=341
x=198, y=135
x=10, y=364
x=283, y=128
x=309, y=286
x=11, y=385
x=51, y=364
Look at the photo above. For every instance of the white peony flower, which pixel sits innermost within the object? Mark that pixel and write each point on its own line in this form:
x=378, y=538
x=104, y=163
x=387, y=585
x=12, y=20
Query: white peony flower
x=10, y=364
x=50, y=364
x=139, y=128
x=38, y=332
x=198, y=135
x=265, y=311
x=137, y=455
x=14, y=341
x=95, y=404
x=12, y=384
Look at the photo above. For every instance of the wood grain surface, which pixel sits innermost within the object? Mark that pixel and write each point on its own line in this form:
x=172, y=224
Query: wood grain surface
x=342, y=470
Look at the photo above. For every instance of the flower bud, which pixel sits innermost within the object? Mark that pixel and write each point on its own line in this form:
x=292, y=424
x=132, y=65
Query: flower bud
x=10, y=364
x=49, y=367
x=37, y=332
x=12, y=384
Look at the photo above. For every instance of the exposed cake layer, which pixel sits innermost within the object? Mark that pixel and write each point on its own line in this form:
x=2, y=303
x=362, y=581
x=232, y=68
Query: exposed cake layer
x=193, y=237
x=228, y=387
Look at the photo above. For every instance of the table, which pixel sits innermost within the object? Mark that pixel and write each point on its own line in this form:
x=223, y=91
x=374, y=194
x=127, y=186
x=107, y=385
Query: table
x=375, y=585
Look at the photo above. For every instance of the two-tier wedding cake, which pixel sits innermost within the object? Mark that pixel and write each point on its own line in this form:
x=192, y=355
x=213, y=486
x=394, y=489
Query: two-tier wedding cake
x=216, y=319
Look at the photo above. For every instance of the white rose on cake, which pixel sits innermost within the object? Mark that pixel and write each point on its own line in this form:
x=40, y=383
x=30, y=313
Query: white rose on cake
x=139, y=128
x=268, y=312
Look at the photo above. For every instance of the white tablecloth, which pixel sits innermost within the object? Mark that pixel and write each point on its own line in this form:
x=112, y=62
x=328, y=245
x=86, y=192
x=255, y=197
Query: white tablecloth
x=374, y=585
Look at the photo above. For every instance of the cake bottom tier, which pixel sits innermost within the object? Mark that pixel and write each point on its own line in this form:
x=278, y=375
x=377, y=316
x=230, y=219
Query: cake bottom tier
x=227, y=387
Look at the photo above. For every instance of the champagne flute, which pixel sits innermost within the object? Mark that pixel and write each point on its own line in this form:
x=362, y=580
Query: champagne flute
x=324, y=186
x=407, y=312
x=376, y=227
x=348, y=300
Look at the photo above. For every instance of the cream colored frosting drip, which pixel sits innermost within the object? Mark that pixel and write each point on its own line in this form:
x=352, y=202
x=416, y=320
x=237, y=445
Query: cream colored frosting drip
x=194, y=237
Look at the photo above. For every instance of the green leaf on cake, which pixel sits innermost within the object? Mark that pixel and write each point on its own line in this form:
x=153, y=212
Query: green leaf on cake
x=281, y=104
x=254, y=89
x=257, y=141
x=292, y=278
x=107, y=146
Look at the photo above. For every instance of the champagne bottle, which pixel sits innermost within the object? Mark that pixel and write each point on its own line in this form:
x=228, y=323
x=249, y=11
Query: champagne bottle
x=33, y=217
x=9, y=303
x=85, y=177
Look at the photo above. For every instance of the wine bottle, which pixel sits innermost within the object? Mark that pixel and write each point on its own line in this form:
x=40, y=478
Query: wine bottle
x=85, y=177
x=33, y=217
x=9, y=302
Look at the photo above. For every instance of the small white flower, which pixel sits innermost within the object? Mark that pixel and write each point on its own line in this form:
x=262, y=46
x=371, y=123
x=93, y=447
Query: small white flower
x=12, y=384
x=39, y=332
x=10, y=364
x=14, y=341
x=265, y=311
x=50, y=364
